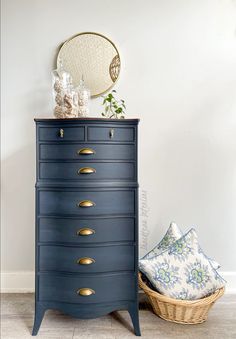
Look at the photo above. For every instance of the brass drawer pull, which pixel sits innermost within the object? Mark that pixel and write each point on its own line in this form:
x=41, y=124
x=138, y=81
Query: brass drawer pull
x=86, y=170
x=86, y=203
x=85, y=292
x=85, y=261
x=85, y=231
x=86, y=151
x=61, y=133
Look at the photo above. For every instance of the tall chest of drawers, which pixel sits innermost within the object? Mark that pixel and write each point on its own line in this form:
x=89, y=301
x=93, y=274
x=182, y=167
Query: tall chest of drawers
x=86, y=218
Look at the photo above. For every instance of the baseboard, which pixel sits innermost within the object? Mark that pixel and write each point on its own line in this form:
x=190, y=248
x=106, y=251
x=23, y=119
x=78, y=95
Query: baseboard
x=17, y=282
x=230, y=277
x=23, y=282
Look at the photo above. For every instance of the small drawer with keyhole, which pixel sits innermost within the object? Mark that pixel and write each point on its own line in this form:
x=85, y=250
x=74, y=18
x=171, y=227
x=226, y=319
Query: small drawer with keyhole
x=126, y=134
x=61, y=133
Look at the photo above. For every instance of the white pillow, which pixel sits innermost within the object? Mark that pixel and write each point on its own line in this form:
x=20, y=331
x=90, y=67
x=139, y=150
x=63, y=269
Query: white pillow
x=182, y=271
x=173, y=233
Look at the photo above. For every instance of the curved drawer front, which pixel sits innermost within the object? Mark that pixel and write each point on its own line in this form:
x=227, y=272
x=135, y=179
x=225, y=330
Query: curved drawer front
x=106, y=288
x=86, y=259
x=85, y=230
x=95, y=151
x=61, y=133
x=87, y=171
x=70, y=203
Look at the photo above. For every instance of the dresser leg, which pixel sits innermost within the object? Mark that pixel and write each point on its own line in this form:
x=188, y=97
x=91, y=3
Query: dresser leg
x=38, y=317
x=134, y=314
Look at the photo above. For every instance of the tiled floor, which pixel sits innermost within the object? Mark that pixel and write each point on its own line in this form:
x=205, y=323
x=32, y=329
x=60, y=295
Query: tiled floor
x=18, y=311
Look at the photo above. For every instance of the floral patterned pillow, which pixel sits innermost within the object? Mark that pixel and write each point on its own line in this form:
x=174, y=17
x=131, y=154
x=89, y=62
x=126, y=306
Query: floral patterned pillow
x=182, y=271
x=173, y=233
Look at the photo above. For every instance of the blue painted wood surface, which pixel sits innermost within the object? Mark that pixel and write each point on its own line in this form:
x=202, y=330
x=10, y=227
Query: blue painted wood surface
x=114, y=218
x=70, y=151
x=104, y=258
x=72, y=171
x=59, y=230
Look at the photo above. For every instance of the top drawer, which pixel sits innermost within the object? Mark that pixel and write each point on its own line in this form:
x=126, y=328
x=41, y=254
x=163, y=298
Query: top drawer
x=61, y=133
x=99, y=133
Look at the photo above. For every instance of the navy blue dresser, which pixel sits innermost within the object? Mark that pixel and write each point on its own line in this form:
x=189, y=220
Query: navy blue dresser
x=86, y=218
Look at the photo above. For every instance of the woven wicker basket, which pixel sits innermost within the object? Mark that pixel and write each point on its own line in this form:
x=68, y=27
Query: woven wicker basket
x=180, y=311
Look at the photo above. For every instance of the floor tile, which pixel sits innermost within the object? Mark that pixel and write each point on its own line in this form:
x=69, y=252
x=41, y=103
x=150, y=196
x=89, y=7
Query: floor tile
x=18, y=316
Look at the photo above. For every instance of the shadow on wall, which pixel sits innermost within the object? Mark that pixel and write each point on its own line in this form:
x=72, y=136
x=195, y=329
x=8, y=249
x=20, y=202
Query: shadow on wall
x=192, y=181
x=18, y=179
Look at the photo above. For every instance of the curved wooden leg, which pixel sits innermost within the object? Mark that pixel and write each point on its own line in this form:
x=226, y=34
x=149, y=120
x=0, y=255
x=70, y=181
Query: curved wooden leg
x=134, y=315
x=38, y=317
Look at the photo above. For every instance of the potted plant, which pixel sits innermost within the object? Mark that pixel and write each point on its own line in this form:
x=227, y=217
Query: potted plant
x=113, y=108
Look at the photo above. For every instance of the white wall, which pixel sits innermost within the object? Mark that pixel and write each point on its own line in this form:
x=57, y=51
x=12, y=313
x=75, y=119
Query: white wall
x=178, y=76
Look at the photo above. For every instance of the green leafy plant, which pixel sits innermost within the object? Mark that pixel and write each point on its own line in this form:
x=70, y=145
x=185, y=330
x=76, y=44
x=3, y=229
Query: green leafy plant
x=113, y=108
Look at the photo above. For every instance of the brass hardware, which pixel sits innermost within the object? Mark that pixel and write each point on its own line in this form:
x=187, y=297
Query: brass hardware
x=85, y=261
x=86, y=151
x=61, y=133
x=86, y=170
x=85, y=231
x=85, y=292
x=111, y=133
x=86, y=203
